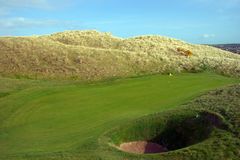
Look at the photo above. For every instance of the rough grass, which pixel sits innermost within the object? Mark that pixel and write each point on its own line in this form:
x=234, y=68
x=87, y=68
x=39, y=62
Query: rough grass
x=222, y=143
x=166, y=128
x=65, y=121
x=91, y=55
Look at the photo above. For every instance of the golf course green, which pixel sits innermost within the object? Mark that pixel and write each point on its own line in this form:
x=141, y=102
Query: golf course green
x=51, y=120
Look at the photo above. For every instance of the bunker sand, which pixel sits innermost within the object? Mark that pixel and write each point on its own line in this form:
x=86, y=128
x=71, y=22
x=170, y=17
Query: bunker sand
x=142, y=147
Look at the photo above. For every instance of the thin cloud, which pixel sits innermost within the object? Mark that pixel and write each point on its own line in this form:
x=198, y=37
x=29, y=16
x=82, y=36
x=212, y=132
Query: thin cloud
x=25, y=4
x=3, y=12
x=8, y=6
x=20, y=22
x=208, y=36
x=12, y=26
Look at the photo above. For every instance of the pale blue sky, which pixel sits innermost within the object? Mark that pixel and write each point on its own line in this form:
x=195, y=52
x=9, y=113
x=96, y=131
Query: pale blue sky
x=196, y=21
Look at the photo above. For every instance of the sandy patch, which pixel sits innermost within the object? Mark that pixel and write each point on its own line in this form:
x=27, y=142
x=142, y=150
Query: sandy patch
x=142, y=147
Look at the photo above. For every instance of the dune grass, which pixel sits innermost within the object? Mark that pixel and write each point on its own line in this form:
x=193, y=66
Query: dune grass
x=65, y=121
x=92, y=55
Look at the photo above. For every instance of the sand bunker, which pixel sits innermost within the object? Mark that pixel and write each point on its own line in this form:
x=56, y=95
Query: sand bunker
x=142, y=147
x=166, y=134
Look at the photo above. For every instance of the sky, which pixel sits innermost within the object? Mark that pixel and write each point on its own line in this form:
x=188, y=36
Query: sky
x=194, y=21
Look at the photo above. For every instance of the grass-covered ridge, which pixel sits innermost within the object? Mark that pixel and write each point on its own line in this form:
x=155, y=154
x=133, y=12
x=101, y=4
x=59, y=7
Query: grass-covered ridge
x=92, y=55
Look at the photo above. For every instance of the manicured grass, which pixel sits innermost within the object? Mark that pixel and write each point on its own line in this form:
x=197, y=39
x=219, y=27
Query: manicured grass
x=70, y=118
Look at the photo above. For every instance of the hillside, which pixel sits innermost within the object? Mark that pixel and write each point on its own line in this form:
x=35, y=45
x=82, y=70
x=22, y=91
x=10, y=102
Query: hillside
x=92, y=55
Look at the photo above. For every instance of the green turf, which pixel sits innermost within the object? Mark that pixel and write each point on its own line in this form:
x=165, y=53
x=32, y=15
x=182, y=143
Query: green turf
x=69, y=118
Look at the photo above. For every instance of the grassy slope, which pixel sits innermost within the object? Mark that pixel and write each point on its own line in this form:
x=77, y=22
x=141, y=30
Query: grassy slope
x=223, y=142
x=65, y=122
x=91, y=55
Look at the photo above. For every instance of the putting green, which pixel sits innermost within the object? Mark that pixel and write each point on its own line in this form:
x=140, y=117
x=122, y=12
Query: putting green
x=43, y=120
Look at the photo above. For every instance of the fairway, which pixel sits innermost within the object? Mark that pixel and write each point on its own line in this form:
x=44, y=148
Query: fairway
x=71, y=117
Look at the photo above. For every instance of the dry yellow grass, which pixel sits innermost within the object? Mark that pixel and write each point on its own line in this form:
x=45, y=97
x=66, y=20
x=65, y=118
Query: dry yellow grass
x=91, y=55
